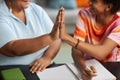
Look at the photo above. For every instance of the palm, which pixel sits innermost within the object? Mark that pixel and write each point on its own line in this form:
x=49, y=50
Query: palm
x=55, y=30
x=62, y=26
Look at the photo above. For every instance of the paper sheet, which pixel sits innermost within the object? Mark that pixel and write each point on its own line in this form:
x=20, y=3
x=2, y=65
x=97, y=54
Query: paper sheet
x=56, y=73
x=65, y=73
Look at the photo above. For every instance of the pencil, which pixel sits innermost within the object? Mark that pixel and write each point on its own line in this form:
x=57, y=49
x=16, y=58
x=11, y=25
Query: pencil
x=89, y=68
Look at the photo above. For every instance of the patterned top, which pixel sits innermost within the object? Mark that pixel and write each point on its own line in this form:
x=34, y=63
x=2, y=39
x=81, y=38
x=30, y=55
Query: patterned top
x=86, y=30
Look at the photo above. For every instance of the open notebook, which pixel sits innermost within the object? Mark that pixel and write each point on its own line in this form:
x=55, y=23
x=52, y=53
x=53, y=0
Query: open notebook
x=70, y=72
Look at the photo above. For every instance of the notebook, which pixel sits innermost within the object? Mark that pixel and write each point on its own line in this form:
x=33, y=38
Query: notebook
x=70, y=72
x=12, y=74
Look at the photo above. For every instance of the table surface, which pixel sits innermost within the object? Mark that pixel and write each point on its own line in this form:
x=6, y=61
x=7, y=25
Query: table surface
x=113, y=67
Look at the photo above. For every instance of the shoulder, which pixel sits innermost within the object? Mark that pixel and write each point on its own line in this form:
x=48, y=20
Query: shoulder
x=85, y=15
x=115, y=25
x=85, y=12
x=116, y=21
x=35, y=7
x=4, y=19
x=3, y=9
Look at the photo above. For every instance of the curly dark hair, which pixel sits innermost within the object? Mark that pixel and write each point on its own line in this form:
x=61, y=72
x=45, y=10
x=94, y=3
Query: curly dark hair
x=115, y=3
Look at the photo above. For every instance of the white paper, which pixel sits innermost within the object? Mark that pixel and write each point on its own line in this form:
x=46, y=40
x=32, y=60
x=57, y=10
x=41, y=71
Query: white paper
x=65, y=73
x=102, y=72
x=56, y=73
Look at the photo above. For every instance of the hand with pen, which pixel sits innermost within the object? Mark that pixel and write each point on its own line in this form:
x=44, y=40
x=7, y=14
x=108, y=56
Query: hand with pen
x=88, y=73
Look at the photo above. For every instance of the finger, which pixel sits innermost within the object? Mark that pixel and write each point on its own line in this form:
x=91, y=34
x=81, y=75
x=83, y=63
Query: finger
x=89, y=71
x=62, y=15
x=34, y=67
x=58, y=16
x=59, y=19
x=93, y=69
x=41, y=68
x=94, y=72
x=86, y=74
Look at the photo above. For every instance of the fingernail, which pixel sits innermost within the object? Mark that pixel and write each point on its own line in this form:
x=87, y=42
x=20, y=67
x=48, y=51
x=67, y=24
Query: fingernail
x=32, y=71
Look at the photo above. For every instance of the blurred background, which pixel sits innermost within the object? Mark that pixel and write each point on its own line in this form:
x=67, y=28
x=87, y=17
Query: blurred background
x=71, y=10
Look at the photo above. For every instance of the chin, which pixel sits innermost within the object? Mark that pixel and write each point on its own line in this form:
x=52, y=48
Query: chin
x=26, y=5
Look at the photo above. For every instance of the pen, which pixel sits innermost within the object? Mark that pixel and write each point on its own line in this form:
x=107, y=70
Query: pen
x=87, y=67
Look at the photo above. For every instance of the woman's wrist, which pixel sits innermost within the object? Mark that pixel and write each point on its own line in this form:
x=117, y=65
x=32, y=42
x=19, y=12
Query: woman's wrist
x=50, y=38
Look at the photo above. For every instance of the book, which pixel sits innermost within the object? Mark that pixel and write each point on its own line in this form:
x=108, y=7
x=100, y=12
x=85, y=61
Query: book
x=70, y=72
x=12, y=74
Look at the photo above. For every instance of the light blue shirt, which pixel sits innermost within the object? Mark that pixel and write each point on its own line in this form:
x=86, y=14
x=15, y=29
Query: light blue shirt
x=11, y=28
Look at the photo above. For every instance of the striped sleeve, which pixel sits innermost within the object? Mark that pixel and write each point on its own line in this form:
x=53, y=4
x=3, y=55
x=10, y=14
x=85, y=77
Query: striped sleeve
x=115, y=35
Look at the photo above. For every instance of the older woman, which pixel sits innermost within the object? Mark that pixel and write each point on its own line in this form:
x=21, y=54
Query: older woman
x=97, y=34
x=25, y=35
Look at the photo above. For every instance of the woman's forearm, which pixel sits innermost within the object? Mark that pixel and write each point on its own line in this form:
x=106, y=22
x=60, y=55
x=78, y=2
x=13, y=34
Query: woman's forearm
x=26, y=46
x=53, y=49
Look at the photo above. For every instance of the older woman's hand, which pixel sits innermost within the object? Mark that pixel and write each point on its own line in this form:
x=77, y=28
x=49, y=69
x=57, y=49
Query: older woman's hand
x=55, y=31
x=40, y=64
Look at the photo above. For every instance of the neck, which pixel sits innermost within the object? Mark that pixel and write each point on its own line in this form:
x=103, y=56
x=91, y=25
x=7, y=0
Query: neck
x=12, y=7
x=104, y=19
x=19, y=13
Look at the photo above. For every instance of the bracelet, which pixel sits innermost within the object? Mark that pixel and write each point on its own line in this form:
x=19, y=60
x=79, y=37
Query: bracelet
x=77, y=43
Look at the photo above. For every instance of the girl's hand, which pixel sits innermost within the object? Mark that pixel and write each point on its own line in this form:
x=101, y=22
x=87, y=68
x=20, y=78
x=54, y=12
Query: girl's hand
x=62, y=27
x=88, y=73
